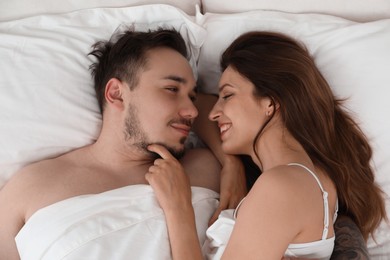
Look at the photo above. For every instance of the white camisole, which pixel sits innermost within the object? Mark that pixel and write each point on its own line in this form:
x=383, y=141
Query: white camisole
x=321, y=249
x=219, y=233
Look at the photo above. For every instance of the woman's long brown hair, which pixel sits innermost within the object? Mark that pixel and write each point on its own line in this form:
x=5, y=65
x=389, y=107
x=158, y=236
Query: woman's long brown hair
x=283, y=70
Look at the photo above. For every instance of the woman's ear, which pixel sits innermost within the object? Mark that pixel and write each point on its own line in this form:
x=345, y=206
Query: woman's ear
x=113, y=93
x=271, y=106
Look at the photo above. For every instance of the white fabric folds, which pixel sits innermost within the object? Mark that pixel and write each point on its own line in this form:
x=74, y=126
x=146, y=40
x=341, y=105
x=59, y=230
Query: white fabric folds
x=125, y=223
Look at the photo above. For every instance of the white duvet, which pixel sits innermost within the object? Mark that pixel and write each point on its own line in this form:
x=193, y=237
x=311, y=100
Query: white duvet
x=125, y=223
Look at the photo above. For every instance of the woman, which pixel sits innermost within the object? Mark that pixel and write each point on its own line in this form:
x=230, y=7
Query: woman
x=275, y=106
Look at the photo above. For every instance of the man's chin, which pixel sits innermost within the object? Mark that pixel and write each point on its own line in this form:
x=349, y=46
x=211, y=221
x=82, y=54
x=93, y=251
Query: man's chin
x=176, y=152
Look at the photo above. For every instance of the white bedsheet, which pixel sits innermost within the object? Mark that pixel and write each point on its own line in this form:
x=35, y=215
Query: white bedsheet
x=125, y=223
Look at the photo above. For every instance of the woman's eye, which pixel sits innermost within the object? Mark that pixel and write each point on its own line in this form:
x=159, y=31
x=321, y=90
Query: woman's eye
x=224, y=97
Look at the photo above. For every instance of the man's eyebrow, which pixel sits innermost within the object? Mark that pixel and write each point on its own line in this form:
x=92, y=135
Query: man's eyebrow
x=176, y=78
x=181, y=80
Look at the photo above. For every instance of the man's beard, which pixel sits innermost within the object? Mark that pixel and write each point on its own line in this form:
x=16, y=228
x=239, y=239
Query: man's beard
x=137, y=136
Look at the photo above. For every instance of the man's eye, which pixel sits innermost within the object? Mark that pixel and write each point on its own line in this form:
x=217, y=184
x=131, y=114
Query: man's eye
x=173, y=89
x=193, y=98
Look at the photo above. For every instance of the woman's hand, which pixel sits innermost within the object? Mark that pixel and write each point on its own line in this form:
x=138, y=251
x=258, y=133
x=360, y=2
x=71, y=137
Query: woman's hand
x=233, y=185
x=168, y=180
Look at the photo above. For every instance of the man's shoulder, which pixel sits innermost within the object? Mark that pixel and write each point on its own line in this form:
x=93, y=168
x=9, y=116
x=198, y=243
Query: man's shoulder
x=39, y=184
x=202, y=168
x=40, y=173
x=50, y=165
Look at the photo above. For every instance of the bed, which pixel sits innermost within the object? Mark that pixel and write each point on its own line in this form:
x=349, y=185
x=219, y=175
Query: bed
x=48, y=105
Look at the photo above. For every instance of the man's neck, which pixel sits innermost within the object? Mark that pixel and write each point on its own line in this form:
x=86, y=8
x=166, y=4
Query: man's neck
x=118, y=155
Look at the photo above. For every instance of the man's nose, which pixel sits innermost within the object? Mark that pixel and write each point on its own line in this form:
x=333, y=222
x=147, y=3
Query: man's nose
x=189, y=110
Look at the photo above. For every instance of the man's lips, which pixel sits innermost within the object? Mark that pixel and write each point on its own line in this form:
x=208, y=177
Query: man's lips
x=184, y=129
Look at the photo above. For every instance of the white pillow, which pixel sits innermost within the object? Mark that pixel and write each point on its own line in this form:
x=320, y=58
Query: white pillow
x=356, y=10
x=48, y=103
x=16, y=9
x=353, y=57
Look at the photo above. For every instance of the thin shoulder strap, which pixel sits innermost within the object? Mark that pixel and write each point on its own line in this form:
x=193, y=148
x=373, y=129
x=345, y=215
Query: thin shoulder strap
x=236, y=210
x=325, y=198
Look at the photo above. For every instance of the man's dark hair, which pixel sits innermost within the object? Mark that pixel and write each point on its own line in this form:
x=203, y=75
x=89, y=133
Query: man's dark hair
x=125, y=55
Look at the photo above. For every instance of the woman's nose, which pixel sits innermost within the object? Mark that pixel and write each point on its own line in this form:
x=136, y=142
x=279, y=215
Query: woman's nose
x=215, y=112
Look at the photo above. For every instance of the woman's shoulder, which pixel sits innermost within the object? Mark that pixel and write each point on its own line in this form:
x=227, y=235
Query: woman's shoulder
x=273, y=206
x=285, y=184
x=280, y=177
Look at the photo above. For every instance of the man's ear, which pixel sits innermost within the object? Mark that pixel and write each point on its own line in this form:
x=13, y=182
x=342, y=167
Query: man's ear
x=113, y=93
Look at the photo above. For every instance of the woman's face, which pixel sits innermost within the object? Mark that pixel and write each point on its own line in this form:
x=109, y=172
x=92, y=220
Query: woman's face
x=239, y=114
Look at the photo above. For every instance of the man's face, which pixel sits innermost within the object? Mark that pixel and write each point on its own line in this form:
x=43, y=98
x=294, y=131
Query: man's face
x=160, y=107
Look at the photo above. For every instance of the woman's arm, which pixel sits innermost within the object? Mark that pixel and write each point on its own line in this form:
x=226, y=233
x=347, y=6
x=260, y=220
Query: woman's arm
x=173, y=191
x=182, y=234
x=233, y=183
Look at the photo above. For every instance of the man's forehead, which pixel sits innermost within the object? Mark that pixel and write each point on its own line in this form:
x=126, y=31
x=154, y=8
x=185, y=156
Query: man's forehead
x=167, y=64
x=165, y=55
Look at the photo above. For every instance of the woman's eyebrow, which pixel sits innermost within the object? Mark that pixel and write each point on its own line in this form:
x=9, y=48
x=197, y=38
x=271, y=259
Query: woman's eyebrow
x=224, y=86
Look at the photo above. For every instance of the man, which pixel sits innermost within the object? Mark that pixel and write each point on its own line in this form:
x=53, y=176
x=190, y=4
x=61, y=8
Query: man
x=92, y=202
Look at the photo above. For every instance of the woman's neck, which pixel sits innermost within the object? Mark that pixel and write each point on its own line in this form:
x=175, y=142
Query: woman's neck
x=276, y=146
